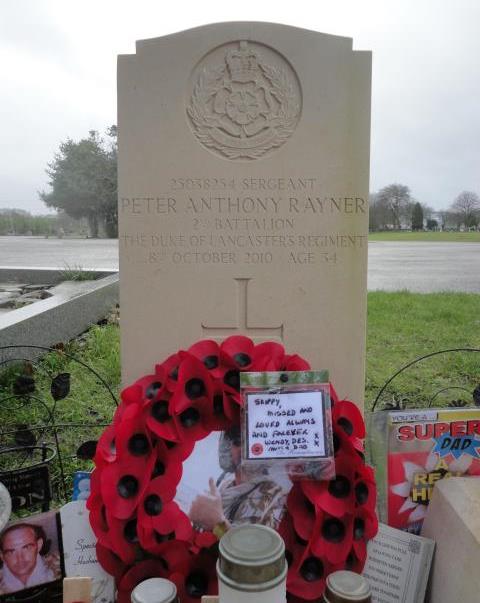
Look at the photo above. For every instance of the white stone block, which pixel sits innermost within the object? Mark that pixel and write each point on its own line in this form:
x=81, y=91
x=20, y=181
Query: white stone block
x=453, y=521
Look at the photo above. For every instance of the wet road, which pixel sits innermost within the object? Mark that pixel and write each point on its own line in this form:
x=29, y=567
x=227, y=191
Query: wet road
x=419, y=267
x=424, y=267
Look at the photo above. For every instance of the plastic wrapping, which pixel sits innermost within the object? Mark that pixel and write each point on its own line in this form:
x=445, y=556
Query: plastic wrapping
x=286, y=424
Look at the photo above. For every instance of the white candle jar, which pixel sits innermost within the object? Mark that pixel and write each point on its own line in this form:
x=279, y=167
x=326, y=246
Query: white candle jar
x=251, y=566
x=155, y=590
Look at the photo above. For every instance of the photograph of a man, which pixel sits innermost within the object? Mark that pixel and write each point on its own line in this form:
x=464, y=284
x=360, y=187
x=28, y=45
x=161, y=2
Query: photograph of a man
x=229, y=500
x=28, y=556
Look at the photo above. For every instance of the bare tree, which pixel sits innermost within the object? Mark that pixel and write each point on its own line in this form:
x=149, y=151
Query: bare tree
x=396, y=198
x=467, y=208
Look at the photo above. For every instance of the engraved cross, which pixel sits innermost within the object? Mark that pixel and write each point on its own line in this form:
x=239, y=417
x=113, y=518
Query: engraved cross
x=243, y=325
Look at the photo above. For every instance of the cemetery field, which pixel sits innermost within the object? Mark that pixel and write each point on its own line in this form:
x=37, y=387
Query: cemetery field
x=429, y=237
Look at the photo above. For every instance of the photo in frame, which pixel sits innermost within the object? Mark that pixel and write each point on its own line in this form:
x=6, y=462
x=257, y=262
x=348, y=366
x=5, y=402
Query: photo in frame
x=30, y=554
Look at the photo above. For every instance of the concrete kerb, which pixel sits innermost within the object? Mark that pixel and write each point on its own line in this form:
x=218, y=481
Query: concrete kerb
x=59, y=318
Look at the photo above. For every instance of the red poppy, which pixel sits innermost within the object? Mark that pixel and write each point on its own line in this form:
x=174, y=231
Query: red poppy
x=335, y=496
x=150, y=568
x=111, y=562
x=239, y=349
x=365, y=527
x=199, y=579
x=225, y=410
x=365, y=489
x=194, y=386
x=152, y=386
x=132, y=439
x=98, y=515
x=167, y=469
x=348, y=446
x=203, y=540
x=215, y=360
x=156, y=543
x=132, y=394
x=179, y=451
x=123, y=535
x=346, y=416
x=159, y=419
x=106, y=451
x=352, y=563
x=333, y=537
x=294, y=362
x=268, y=356
x=306, y=575
x=170, y=368
x=302, y=511
x=156, y=511
x=123, y=484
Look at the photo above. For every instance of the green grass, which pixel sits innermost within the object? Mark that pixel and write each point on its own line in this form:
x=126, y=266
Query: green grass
x=453, y=237
x=403, y=326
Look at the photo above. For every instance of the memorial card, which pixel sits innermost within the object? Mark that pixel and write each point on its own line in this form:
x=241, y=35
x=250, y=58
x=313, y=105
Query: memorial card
x=398, y=566
x=79, y=546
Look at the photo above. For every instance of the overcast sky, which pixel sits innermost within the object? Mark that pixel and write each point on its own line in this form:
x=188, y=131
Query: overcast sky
x=58, y=72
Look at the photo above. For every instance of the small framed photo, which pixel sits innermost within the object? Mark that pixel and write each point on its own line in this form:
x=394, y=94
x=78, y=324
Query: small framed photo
x=30, y=554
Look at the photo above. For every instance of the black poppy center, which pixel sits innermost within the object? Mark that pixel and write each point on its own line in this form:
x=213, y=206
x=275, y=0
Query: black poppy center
x=153, y=389
x=152, y=505
x=174, y=374
x=127, y=486
x=232, y=379
x=361, y=493
x=339, y=487
x=195, y=388
x=189, y=417
x=163, y=537
x=160, y=411
x=138, y=444
x=358, y=528
x=196, y=584
x=158, y=470
x=333, y=530
x=218, y=404
x=210, y=362
x=130, y=531
x=350, y=562
x=309, y=505
x=242, y=359
x=346, y=425
x=289, y=557
x=311, y=569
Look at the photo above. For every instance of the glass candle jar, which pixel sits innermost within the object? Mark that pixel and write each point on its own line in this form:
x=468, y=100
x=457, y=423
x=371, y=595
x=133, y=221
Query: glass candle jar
x=251, y=566
x=346, y=587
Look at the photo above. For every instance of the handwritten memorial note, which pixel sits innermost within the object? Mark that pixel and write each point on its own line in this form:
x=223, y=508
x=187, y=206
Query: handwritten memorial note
x=79, y=553
x=285, y=425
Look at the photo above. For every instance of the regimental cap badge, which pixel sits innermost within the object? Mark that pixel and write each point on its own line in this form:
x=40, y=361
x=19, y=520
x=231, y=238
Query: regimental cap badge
x=246, y=100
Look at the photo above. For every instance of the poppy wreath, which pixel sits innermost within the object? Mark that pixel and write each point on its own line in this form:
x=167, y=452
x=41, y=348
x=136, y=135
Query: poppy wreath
x=141, y=531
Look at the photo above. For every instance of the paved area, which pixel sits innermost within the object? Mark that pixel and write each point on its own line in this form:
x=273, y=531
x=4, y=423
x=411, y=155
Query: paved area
x=38, y=252
x=420, y=267
x=424, y=267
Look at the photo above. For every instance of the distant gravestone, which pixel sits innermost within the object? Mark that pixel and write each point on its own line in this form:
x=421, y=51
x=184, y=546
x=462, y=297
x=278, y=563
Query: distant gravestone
x=243, y=194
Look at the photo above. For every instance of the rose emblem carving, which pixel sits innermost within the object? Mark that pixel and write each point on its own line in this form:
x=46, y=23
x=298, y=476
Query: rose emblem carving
x=242, y=105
